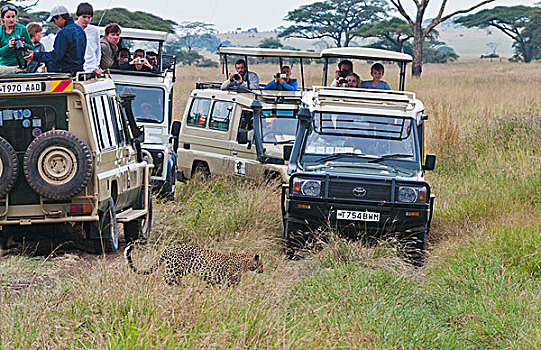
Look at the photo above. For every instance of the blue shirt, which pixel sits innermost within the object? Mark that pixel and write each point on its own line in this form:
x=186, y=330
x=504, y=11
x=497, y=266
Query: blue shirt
x=68, y=55
x=382, y=85
x=291, y=86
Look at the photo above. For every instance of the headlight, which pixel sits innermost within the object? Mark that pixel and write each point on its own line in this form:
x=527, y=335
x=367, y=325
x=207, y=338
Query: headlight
x=307, y=187
x=408, y=194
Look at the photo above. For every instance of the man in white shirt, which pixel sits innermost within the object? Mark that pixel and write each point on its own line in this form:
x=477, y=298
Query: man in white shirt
x=93, y=49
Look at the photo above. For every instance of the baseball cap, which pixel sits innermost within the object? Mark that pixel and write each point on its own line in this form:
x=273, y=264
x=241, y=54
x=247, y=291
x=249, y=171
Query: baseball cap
x=57, y=10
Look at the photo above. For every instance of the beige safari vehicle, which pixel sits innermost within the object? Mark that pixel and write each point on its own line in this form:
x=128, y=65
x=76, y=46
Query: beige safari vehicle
x=241, y=132
x=70, y=161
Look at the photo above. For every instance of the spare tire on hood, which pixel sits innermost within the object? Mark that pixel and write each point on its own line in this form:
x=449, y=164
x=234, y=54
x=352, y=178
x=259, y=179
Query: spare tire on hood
x=58, y=164
x=9, y=167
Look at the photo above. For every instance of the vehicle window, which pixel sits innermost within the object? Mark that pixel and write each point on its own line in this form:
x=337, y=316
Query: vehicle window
x=101, y=123
x=221, y=115
x=278, y=125
x=148, y=105
x=199, y=112
x=117, y=125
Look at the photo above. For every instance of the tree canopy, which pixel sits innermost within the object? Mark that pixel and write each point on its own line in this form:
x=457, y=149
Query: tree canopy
x=335, y=19
x=520, y=23
x=417, y=22
x=136, y=19
x=195, y=34
x=271, y=43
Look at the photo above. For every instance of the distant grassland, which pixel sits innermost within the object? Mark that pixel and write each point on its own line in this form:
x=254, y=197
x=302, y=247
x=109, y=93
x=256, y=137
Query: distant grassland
x=480, y=288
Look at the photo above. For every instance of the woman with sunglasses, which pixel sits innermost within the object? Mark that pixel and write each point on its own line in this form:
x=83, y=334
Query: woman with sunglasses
x=12, y=50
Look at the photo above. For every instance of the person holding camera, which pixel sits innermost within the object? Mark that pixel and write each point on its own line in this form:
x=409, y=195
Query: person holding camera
x=340, y=76
x=122, y=57
x=242, y=78
x=68, y=55
x=109, y=46
x=14, y=41
x=283, y=81
x=138, y=64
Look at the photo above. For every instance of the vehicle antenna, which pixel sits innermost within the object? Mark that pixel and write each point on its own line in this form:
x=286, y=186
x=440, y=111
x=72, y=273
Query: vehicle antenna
x=104, y=11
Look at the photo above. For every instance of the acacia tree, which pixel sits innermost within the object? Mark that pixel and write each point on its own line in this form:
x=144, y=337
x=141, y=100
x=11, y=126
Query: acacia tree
x=335, y=19
x=419, y=32
x=517, y=22
x=394, y=32
x=194, y=33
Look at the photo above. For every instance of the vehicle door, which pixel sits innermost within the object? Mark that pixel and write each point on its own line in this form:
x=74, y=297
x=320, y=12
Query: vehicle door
x=243, y=155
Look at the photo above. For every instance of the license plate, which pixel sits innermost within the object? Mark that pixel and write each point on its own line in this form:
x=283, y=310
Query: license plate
x=13, y=88
x=357, y=215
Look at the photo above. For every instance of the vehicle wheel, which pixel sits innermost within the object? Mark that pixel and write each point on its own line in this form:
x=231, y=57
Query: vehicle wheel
x=58, y=164
x=413, y=245
x=201, y=172
x=167, y=190
x=293, y=238
x=139, y=229
x=107, y=241
x=9, y=167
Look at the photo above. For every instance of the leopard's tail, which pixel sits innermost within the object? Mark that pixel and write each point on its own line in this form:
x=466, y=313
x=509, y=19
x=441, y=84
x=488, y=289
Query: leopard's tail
x=129, y=261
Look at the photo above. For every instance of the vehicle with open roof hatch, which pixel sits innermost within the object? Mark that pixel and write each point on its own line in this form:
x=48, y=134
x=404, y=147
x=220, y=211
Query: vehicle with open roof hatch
x=357, y=163
x=70, y=161
x=153, y=104
x=239, y=131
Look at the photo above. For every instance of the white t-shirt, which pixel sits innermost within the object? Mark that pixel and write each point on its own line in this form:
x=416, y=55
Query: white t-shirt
x=93, y=48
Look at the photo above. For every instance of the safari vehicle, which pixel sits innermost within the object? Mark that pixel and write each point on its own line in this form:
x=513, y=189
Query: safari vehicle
x=241, y=132
x=153, y=104
x=70, y=161
x=356, y=165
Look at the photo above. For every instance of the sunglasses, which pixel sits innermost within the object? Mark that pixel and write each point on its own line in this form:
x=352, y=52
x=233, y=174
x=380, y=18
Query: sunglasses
x=8, y=8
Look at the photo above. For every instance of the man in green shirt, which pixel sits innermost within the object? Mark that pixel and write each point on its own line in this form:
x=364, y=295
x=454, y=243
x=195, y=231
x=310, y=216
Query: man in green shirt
x=11, y=49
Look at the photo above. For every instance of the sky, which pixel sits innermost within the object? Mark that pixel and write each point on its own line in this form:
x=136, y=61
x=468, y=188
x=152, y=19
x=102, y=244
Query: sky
x=227, y=15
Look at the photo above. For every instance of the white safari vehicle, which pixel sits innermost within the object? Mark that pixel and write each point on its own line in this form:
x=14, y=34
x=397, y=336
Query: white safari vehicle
x=70, y=161
x=153, y=104
x=242, y=132
x=357, y=163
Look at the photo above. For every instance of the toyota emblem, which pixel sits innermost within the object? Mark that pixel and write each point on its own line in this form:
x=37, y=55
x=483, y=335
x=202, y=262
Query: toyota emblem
x=359, y=191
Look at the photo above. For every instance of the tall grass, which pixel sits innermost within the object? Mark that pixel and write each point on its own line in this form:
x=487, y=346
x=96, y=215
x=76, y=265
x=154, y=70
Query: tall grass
x=480, y=288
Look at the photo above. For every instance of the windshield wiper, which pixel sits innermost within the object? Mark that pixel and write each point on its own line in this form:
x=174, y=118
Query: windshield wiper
x=390, y=156
x=341, y=155
x=286, y=141
x=149, y=120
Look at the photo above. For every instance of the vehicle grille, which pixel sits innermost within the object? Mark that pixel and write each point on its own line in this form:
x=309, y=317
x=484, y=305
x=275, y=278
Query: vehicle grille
x=375, y=191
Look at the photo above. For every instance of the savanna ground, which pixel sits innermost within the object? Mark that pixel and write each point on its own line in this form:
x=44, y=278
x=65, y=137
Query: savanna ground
x=480, y=287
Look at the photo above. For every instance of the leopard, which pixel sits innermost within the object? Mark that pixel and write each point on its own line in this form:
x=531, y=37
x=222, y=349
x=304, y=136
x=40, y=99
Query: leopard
x=215, y=268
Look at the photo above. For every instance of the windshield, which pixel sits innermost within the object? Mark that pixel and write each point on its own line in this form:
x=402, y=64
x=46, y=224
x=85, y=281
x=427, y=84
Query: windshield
x=148, y=103
x=278, y=125
x=359, y=138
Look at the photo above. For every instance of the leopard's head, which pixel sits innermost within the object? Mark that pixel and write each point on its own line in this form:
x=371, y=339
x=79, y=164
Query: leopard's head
x=254, y=263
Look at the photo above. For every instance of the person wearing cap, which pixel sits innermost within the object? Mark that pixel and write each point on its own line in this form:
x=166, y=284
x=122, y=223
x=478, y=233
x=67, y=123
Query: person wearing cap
x=69, y=45
x=84, y=13
x=11, y=57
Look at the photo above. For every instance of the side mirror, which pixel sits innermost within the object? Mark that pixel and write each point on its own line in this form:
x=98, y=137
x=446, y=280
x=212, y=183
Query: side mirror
x=242, y=137
x=141, y=137
x=430, y=162
x=287, y=152
x=175, y=128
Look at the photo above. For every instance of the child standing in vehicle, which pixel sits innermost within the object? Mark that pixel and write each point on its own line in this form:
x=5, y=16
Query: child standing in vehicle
x=376, y=71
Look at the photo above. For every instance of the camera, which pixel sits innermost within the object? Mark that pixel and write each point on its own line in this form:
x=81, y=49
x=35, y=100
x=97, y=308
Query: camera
x=141, y=61
x=343, y=73
x=19, y=43
x=282, y=76
x=236, y=76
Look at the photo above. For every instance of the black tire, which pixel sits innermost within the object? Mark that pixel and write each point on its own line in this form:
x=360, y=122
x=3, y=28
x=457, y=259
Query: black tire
x=58, y=164
x=200, y=172
x=139, y=229
x=293, y=238
x=107, y=241
x=167, y=190
x=413, y=246
x=9, y=167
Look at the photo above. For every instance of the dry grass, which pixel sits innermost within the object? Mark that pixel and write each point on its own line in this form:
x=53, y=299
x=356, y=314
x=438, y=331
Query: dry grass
x=479, y=290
